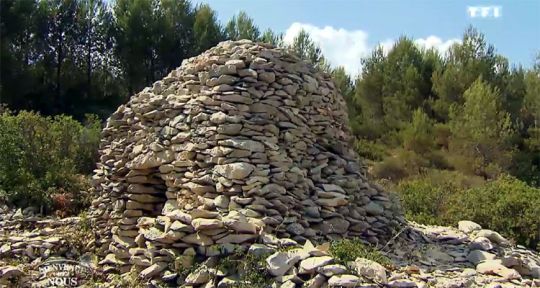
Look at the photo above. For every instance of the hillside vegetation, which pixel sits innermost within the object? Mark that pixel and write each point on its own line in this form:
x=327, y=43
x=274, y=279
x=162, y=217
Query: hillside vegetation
x=457, y=136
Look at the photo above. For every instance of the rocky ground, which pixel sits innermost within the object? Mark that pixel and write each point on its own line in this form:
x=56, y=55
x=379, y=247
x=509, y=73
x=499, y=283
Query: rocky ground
x=420, y=256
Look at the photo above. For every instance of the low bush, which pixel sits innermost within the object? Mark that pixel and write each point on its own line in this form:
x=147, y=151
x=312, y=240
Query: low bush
x=426, y=197
x=346, y=250
x=370, y=150
x=402, y=164
x=390, y=169
x=44, y=156
x=506, y=205
x=425, y=202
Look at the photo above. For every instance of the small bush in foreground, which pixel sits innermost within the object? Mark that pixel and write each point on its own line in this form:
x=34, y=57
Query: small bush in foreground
x=250, y=268
x=347, y=250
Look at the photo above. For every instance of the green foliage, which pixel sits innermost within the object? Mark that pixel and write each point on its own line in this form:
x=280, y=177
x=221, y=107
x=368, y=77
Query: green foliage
x=305, y=48
x=391, y=86
x=206, y=28
x=346, y=87
x=466, y=62
x=129, y=279
x=390, y=169
x=347, y=250
x=78, y=239
x=425, y=198
x=152, y=38
x=242, y=26
x=403, y=88
x=40, y=156
x=506, y=205
x=482, y=129
x=370, y=150
x=271, y=37
x=404, y=163
x=250, y=268
x=56, y=57
x=527, y=162
x=417, y=136
x=369, y=95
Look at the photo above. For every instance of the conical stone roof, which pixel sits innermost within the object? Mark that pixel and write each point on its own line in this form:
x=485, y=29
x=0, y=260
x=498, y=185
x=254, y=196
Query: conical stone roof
x=242, y=141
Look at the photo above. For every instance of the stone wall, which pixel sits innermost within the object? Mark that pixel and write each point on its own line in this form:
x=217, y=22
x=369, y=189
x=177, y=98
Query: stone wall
x=241, y=141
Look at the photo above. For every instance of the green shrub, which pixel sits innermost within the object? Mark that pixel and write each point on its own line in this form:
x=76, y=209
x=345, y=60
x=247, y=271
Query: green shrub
x=426, y=198
x=442, y=134
x=346, y=250
x=438, y=159
x=423, y=202
x=370, y=150
x=506, y=205
x=402, y=164
x=391, y=169
x=526, y=164
x=250, y=268
x=41, y=156
x=89, y=138
x=417, y=135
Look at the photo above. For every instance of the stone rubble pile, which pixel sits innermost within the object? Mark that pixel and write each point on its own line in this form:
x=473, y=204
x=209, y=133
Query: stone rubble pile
x=465, y=257
x=28, y=240
x=241, y=141
x=32, y=237
x=429, y=256
x=426, y=256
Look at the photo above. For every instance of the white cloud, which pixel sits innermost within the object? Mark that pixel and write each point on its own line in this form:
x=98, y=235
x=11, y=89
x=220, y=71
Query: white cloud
x=340, y=46
x=437, y=43
x=387, y=45
x=346, y=48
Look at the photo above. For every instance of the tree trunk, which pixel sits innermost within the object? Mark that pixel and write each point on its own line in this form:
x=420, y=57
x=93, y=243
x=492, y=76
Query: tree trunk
x=89, y=61
x=59, y=60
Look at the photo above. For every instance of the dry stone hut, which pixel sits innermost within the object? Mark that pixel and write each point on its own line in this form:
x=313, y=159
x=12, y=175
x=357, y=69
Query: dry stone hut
x=240, y=142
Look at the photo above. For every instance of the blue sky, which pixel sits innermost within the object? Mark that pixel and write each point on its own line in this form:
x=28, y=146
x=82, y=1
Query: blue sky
x=349, y=29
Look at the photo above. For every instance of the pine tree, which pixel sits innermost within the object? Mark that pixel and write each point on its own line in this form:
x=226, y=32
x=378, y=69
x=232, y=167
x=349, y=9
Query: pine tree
x=305, y=48
x=346, y=87
x=206, y=29
x=404, y=87
x=271, y=37
x=482, y=129
x=418, y=135
x=241, y=26
x=174, y=35
x=369, y=95
x=466, y=61
x=135, y=40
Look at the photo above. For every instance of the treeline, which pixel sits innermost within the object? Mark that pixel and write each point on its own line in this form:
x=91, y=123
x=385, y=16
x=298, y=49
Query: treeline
x=87, y=56
x=467, y=110
x=457, y=135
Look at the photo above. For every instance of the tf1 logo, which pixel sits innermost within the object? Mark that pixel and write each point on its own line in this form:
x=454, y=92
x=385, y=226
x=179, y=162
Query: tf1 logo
x=484, y=11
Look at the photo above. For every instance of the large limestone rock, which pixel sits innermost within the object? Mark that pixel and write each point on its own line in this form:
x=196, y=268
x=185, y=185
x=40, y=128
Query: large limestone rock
x=240, y=141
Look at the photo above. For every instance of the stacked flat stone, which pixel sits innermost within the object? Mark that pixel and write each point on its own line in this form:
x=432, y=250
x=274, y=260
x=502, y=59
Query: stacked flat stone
x=33, y=238
x=242, y=140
